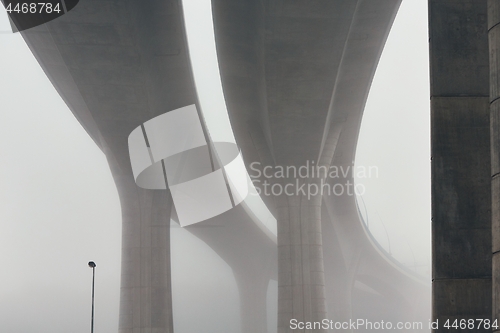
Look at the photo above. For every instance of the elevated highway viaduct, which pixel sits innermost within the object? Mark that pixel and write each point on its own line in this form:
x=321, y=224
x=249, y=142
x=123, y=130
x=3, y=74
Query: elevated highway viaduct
x=295, y=77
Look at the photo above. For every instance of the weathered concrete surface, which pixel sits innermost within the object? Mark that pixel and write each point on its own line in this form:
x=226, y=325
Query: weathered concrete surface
x=494, y=47
x=461, y=199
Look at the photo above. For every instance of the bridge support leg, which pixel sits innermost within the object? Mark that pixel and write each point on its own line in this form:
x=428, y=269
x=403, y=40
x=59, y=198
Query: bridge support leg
x=145, y=295
x=461, y=193
x=338, y=281
x=253, y=301
x=301, y=280
x=494, y=45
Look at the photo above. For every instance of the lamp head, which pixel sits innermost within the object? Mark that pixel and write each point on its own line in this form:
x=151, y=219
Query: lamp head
x=92, y=264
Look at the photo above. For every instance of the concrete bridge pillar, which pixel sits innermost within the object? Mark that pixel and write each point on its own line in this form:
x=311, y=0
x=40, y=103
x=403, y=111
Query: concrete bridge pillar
x=461, y=194
x=494, y=44
x=253, y=300
x=301, y=277
x=145, y=293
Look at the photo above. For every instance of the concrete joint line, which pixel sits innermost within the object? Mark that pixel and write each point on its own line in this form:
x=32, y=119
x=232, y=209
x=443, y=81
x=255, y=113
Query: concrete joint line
x=460, y=96
x=474, y=278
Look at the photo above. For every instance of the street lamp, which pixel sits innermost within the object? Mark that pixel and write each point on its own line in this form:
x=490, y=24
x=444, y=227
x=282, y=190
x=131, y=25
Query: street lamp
x=92, y=265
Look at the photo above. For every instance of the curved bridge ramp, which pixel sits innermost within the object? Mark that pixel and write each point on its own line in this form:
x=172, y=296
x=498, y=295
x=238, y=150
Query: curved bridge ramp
x=295, y=77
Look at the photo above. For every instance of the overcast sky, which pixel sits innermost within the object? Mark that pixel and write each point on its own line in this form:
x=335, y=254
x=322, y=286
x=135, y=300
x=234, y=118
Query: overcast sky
x=59, y=206
x=395, y=137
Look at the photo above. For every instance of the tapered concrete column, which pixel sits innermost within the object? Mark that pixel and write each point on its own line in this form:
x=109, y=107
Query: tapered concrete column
x=252, y=287
x=461, y=200
x=145, y=293
x=301, y=280
x=338, y=282
x=494, y=43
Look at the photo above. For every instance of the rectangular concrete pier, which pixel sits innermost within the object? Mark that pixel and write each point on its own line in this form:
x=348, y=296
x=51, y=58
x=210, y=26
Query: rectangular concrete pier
x=461, y=197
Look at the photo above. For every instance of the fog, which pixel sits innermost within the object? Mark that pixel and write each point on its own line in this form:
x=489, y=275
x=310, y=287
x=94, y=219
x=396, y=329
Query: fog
x=395, y=137
x=59, y=207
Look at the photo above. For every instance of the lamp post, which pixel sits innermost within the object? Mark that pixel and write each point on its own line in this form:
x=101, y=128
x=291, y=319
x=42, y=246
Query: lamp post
x=92, y=265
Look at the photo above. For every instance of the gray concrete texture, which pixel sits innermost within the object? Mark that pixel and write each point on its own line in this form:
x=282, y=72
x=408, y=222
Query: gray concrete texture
x=296, y=76
x=461, y=199
x=494, y=45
